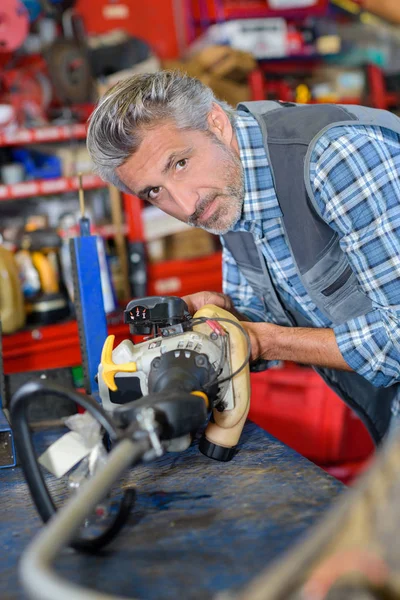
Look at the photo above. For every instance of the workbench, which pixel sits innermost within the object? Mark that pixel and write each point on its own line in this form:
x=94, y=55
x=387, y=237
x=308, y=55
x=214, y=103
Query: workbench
x=198, y=526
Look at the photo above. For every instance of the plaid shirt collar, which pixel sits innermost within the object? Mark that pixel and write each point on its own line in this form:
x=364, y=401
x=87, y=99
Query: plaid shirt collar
x=260, y=201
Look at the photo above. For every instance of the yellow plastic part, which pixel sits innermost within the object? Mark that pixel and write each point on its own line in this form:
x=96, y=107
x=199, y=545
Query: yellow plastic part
x=202, y=395
x=12, y=310
x=303, y=94
x=47, y=273
x=228, y=425
x=110, y=368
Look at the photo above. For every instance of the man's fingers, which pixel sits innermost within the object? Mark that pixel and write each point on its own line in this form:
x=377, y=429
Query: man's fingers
x=192, y=302
x=200, y=299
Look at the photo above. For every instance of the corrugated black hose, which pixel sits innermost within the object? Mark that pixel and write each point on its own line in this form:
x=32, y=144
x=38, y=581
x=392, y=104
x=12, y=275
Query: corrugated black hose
x=25, y=450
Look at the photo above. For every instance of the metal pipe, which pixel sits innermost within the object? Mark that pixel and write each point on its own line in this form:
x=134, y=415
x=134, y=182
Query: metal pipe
x=38, y=578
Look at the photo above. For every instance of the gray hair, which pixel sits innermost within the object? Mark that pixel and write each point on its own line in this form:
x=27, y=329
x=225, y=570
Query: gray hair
x=117, y=124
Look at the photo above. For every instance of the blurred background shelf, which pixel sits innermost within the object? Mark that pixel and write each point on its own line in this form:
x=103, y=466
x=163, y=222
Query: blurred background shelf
x=44, y=187
x=35, y=135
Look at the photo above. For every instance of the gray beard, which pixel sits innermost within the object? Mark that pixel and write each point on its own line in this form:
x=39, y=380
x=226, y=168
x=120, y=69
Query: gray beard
x=233, y=204
x=212, y=224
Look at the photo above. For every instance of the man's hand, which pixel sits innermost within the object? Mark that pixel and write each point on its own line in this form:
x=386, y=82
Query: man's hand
x=197, y=301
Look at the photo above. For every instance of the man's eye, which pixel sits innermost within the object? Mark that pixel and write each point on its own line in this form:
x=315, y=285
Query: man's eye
x=181, y=164
x=153, y=193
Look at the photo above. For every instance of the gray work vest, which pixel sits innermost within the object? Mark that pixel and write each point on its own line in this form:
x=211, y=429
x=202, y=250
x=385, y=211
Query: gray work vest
x=290, y=133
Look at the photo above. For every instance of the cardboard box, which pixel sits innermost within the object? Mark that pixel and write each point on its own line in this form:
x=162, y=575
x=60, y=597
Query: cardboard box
x=190, y=244
x=225, y=62
x=227, y=90
x=224, y=69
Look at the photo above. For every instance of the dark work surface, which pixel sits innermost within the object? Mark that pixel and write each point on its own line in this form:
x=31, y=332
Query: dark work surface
x=198, y=527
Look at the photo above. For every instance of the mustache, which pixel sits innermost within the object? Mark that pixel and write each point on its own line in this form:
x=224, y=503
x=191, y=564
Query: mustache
x=201, y=207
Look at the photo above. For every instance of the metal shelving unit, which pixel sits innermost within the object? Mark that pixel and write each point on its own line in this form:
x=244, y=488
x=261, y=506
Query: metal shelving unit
x=39, y=135
x=44, y=187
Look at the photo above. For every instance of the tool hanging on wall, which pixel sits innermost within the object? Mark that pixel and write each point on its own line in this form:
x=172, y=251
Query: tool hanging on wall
x=68, y=62
x=70, y=71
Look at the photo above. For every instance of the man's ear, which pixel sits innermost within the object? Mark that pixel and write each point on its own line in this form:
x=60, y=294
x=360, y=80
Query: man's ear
x=219, y=124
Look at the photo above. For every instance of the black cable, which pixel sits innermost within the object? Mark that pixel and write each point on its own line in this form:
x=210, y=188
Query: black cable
x=219, y=368
x=23, y=440
x=215, y=379
x=248, y=353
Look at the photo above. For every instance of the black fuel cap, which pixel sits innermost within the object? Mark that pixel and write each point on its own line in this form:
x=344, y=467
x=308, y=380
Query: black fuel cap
x=216, y=452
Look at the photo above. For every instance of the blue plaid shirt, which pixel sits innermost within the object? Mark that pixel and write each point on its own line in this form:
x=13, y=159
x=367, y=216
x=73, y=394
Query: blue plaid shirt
x=355, y=176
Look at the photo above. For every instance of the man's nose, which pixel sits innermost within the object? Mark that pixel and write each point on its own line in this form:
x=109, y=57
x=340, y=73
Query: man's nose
x=185, y=199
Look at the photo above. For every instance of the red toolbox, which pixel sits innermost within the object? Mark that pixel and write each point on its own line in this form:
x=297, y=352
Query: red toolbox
x=296, y=406
x=181, y=277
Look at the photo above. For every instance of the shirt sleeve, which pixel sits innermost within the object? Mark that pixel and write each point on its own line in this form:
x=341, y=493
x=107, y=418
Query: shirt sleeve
x=355, y=179
x=235, y=285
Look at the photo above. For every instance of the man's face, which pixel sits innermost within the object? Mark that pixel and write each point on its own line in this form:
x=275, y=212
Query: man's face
x=194, y=176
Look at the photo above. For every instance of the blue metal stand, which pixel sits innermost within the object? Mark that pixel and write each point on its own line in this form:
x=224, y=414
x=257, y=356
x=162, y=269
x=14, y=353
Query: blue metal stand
x=92, y=323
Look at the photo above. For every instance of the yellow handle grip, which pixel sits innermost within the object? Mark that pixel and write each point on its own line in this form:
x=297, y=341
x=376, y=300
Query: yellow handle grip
x=110, y=368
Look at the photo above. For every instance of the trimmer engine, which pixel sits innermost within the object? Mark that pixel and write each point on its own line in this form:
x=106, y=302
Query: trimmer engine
x=174, y=356
x=180, y=353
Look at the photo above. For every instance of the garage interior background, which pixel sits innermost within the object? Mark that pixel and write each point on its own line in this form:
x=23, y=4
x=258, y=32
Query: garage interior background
x=56, y=58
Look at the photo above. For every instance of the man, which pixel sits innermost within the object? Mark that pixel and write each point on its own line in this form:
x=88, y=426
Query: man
x=307, y=201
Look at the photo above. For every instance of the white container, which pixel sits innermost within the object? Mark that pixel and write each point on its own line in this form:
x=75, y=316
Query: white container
x=12, y=173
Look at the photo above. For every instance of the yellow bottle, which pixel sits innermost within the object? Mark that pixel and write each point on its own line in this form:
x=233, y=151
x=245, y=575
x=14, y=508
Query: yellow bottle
x=12, y=311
